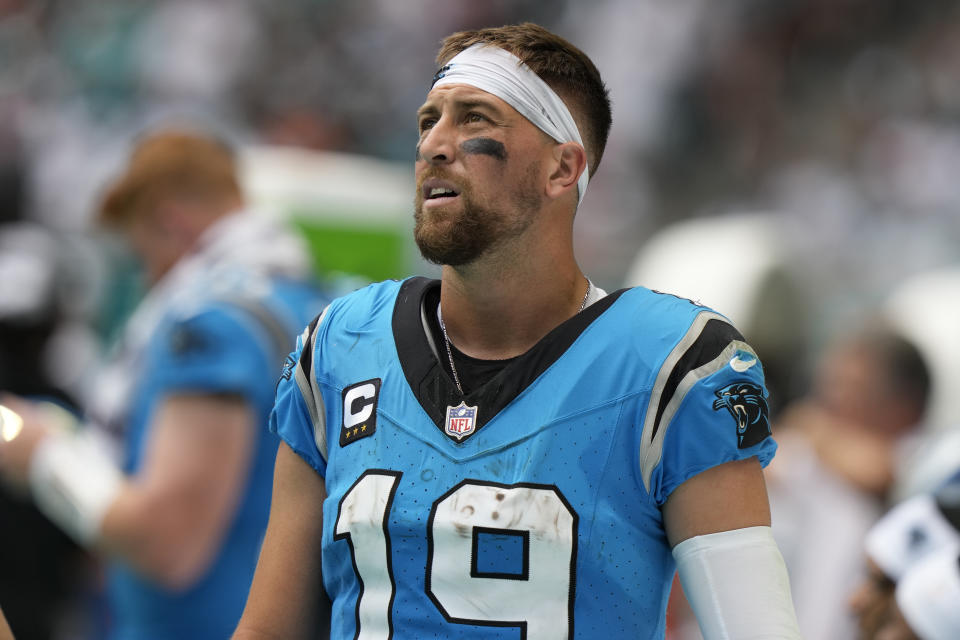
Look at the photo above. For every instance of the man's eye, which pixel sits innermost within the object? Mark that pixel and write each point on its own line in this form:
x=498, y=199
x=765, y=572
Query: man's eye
x=475, y=117
x=427, y=123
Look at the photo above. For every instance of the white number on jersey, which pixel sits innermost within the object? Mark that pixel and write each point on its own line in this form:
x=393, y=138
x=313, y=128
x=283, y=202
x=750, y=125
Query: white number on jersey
x=362, y=522
x=538, y=596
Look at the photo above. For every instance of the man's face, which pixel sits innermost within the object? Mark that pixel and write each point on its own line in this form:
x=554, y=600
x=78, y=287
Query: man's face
x=854, y=385
x=479, y=174
x=872, y=602
x=151, y=243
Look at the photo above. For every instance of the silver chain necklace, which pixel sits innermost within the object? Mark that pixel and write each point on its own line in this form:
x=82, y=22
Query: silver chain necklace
x=446, y=339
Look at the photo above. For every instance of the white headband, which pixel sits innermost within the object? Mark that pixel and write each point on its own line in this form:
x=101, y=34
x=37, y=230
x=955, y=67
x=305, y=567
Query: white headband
x=504, y=75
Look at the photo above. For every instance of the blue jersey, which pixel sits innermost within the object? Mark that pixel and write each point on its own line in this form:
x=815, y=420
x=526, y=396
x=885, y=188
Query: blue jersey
x=232, y=344
x=531, y=507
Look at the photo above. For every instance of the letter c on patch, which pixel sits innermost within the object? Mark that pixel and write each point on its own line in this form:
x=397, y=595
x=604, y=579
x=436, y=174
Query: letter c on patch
x=358, y=404
x=359, y=411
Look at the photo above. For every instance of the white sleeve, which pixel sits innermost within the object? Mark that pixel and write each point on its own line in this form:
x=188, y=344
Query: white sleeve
x=74, y=482
x=737, y=585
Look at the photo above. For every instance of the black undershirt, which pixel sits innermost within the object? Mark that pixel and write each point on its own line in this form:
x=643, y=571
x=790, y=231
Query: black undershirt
x=472, y=372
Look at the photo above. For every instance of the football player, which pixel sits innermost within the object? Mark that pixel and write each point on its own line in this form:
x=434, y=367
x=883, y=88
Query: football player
x=181, y=516
x=509, y=451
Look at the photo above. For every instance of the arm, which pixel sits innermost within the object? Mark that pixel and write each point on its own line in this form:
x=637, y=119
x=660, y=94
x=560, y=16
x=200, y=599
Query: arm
x=168, y=520
x=287, y=584
x=729, y=496
x=730, y=567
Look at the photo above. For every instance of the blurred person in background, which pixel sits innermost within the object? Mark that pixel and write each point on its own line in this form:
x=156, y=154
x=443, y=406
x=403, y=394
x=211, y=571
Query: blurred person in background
x=869, y=396
x=191, y=384
x=837, y=459
x=920, y=528
x=43, y=571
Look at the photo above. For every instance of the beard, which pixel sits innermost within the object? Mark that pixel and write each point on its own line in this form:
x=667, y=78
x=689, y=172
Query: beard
x=457, y=238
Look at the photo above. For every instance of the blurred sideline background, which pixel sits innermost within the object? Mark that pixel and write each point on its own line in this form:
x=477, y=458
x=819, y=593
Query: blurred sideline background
x=793, y=163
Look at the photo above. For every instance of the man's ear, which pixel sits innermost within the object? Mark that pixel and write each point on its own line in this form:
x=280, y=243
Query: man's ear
x=570, y=161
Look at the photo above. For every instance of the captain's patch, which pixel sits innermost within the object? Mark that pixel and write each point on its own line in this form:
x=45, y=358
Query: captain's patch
x=359, y=411
x=746, y=404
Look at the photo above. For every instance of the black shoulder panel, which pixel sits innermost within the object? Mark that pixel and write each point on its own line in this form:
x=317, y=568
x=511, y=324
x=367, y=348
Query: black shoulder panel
x=306, y=355
x=710, y=343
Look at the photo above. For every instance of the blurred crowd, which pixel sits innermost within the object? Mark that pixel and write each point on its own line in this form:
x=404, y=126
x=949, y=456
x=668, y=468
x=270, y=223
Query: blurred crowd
x=823, y=136
x=837, y=118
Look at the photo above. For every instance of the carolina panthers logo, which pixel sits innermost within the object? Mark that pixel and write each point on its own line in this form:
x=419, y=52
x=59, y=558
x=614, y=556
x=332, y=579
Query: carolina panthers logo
x=287, y=372
x=746, y=404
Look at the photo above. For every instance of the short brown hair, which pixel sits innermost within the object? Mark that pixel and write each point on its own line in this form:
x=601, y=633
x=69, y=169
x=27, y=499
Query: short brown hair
x=561, y=65
x=171, y=162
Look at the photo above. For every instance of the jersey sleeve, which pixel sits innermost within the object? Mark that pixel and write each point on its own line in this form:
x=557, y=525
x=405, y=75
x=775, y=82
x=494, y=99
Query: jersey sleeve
x=218, y=349
x=710, y=407
x=299, y=415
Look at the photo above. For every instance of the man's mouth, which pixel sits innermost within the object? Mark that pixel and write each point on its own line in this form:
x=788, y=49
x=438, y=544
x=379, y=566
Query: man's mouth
x=438, y=191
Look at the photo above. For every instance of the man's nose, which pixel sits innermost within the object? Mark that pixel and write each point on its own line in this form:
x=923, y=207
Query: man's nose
x=437, y=144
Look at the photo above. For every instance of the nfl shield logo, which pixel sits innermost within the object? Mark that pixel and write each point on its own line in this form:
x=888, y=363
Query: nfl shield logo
x=461, y=421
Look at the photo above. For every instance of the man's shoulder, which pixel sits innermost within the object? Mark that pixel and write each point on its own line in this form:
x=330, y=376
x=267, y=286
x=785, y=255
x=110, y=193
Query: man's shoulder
x=372, y=298
x=665, y=301
x=640, y=310
x=372, y=308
